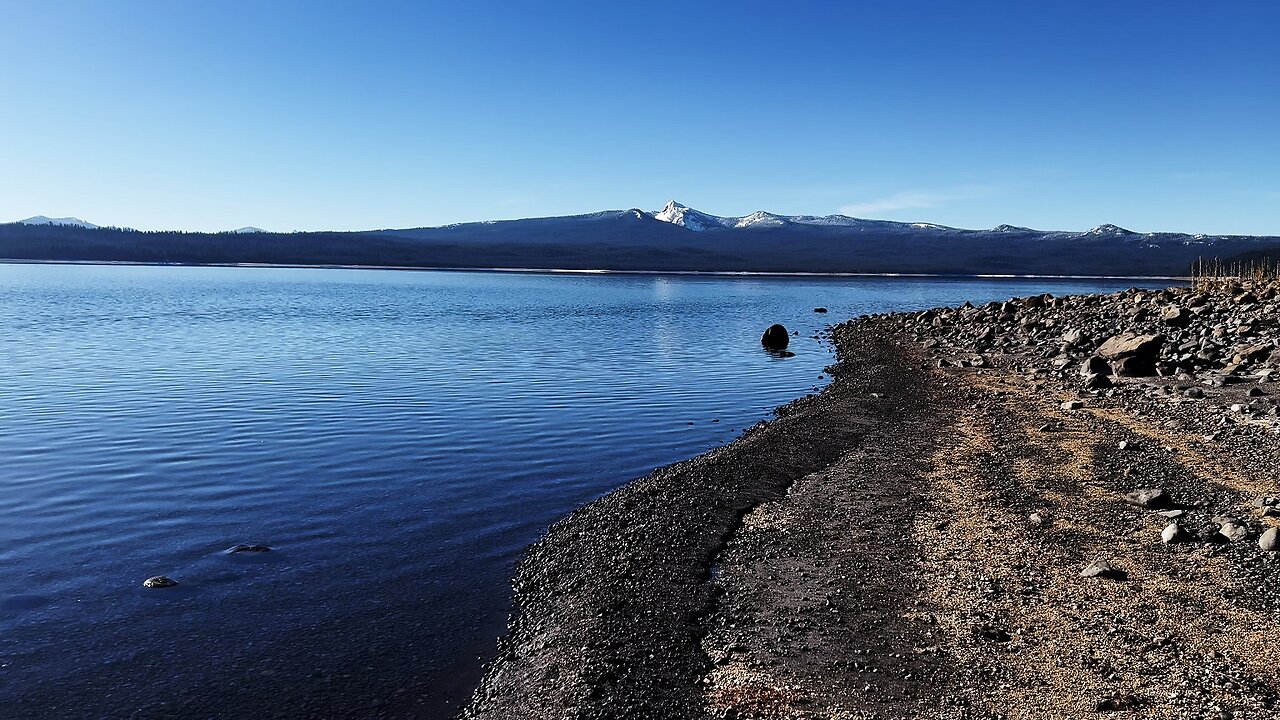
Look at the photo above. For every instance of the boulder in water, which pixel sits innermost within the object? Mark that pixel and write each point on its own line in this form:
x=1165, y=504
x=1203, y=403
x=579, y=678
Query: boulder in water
x=159, y=581
x=775, y=338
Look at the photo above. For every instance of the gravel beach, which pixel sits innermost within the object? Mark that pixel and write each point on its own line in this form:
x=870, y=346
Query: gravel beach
x=1048, y=508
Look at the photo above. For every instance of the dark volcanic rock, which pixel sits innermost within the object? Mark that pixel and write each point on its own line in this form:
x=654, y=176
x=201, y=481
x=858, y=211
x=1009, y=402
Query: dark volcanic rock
x=159, y=581
x=775, y=338
x=1095, y=365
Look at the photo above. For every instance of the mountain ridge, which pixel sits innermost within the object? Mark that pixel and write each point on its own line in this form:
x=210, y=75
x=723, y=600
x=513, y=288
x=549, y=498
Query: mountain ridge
x=680, y=215
x=675, y=238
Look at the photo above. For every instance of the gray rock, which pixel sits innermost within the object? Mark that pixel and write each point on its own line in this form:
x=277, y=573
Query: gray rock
x=1132, y=354
x=1103, y=568
x=1074, y=337
x=1175, y=316
x=1233, y=532
x=1172, y=533
x=1072, y=405
x=159, y=581
x=1149, y=498
x=1269, y=539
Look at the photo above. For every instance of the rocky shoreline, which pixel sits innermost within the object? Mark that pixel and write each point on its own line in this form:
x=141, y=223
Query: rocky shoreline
x=1048, y=507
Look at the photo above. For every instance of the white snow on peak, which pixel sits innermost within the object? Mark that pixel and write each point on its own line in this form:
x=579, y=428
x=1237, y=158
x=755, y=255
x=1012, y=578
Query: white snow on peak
x=759, y=217
x=248, y=229
x=672, y=213
x=1109, y=229
x=43, y=220
x=687, y=217
x=698, y=221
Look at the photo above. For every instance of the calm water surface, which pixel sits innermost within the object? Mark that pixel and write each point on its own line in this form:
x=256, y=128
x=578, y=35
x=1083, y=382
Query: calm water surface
x=397, y=437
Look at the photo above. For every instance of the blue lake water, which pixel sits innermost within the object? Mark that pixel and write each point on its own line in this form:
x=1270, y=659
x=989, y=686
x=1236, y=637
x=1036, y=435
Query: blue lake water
x=397, y=437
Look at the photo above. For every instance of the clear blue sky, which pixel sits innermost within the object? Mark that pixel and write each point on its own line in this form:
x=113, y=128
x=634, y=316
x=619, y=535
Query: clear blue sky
x=313, y=115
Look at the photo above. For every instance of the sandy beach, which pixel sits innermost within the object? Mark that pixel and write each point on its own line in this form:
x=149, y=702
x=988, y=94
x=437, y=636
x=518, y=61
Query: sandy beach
x=1050, y=507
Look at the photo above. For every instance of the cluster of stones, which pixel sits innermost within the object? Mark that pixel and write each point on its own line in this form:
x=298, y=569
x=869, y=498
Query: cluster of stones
x=1219, y=529
x=1216, y=341
x=163, y=581
x=1212, y=335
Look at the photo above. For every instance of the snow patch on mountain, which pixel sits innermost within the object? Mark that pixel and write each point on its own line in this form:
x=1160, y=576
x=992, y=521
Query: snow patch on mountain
x=1109, y=229
x=698, y=221
x=44, y=220
x=759, y=217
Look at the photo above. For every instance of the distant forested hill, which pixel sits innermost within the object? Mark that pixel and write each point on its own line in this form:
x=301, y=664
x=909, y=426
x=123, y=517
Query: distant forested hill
x=664, y=241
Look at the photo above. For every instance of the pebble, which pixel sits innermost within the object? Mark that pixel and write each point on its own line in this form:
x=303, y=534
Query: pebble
x=1102, y=567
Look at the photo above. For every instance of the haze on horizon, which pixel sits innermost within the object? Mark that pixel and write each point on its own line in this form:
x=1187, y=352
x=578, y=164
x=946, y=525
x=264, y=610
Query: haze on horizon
x=312, y=116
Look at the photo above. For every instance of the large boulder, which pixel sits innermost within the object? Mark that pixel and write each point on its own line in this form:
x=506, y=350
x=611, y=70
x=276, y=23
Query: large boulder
x=1132, y=354
x=775, y=338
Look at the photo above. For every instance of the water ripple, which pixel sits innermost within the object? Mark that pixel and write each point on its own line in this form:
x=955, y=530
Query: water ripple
x=398, y=437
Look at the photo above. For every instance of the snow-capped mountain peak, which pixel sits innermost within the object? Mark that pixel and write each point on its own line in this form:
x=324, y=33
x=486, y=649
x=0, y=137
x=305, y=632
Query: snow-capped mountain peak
x=44, y=220
x=247, y=229
x=1109, y=229
x=687, y=217
x=698, y=221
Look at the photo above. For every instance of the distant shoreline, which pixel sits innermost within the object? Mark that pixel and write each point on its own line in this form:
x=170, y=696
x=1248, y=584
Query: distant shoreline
x=601, y=271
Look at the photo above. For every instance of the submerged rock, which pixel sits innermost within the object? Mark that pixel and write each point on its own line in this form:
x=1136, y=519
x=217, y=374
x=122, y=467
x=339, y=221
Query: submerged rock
x=776, y=337
x=159, y=581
